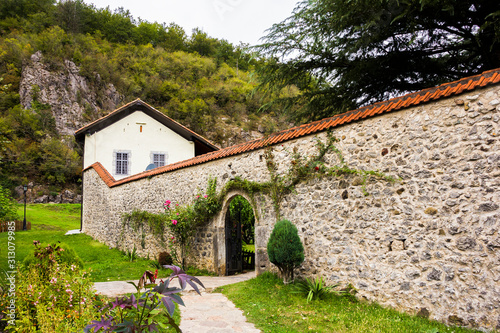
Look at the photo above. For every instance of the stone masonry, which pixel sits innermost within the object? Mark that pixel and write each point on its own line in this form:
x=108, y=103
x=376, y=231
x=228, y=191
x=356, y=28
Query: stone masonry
x=427, y=244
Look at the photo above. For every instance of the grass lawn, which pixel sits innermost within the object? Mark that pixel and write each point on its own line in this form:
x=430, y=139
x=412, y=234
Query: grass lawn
x=249, y=247
x=269, y=304
x=50, y=222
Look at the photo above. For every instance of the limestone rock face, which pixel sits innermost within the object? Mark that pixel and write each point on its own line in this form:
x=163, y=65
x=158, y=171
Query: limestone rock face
x=73, y=101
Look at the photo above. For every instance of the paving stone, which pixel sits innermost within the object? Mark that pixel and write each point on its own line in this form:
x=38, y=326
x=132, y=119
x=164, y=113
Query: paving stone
x=205, y=313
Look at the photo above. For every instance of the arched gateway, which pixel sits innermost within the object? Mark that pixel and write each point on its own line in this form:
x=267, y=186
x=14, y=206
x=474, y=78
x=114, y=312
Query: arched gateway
x=237, y=246
x=239, y=236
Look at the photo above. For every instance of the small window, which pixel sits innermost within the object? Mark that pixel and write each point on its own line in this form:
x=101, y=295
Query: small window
x=122, y=163
x=159, y=160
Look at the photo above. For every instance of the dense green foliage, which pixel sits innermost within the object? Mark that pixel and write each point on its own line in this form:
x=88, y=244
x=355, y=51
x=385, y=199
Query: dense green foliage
x=285, y=248
x=347, y=53
x=202, y=82
x=8, y=209
x=275, y=308
x=242, y=209
x=53, y=294
x=30, y=149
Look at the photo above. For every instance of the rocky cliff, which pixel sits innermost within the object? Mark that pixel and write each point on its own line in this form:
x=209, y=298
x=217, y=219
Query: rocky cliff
x=73, y=101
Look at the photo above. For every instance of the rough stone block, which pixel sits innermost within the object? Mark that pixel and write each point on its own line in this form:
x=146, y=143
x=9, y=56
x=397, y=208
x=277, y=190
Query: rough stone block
x=398, y=245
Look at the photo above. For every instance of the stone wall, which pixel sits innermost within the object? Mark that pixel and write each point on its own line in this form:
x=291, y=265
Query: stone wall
x=427, y=244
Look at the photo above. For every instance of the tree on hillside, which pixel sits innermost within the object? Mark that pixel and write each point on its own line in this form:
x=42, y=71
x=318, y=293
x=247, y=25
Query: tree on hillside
x=202, y=43
x=24, y=8
x=344, y=54
x=175, y=39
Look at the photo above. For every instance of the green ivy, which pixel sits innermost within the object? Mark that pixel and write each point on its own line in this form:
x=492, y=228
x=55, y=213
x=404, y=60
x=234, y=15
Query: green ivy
x=138, y=218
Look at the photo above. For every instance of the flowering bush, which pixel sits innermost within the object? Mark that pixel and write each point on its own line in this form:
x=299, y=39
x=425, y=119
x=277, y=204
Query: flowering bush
x=145, y=312
x=61, y=300
x=53, y=293
x=183, y=221
x=44, y=257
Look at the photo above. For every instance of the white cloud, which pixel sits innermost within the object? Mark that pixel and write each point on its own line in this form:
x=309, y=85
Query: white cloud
x=234, y=20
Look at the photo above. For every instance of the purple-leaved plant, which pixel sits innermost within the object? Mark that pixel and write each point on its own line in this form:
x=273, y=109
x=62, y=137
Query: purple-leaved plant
x=140, y=312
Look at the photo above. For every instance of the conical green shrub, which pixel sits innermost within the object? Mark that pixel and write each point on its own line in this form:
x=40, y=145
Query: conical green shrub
x=285, y=249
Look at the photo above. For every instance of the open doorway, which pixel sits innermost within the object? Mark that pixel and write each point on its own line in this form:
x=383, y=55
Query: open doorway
x=240, y=236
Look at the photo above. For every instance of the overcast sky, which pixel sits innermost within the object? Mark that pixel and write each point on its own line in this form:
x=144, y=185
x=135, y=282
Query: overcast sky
x=234, y=20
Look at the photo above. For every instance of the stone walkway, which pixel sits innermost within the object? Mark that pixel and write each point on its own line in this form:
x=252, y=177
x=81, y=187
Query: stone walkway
x=208, y=313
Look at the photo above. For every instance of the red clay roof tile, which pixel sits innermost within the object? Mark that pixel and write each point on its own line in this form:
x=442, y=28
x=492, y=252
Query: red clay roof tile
x=445, y=90
x=382, y=109
x=327, y=123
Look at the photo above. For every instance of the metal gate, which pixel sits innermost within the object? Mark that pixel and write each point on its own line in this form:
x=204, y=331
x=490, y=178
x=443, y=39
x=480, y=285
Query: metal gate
x=234, y=254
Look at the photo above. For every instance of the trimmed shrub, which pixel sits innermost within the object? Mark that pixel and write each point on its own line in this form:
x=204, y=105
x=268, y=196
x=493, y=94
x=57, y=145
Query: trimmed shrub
x=285, y=249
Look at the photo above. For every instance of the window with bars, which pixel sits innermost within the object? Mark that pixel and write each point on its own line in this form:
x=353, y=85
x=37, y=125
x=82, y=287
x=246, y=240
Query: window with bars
x=159, y=160
x=122, y=163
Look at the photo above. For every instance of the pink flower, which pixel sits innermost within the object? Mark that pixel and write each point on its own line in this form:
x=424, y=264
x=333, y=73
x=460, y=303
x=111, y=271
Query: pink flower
x=205, y=196
x=174, y=222
x=177, y=213
x=167, y=203
x=172, y=237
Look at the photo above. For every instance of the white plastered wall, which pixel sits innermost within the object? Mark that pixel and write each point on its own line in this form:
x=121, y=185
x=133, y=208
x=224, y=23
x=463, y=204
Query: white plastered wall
x=125, y=135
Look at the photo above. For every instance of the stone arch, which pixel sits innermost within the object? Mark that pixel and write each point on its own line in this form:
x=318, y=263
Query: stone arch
x=220, y=259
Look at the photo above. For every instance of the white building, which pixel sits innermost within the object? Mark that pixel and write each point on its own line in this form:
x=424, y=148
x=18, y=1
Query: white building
x=136, y=138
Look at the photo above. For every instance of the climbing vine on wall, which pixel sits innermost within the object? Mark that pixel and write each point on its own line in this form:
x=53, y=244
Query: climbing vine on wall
x=301, y=169
x=182, y=221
